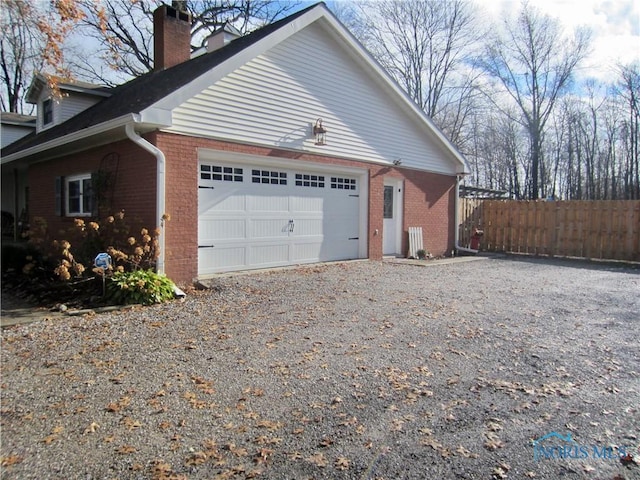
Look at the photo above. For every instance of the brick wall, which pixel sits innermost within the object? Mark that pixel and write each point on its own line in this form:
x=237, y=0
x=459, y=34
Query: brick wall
x=134, y=190
x=428, y=200
x=181, y=203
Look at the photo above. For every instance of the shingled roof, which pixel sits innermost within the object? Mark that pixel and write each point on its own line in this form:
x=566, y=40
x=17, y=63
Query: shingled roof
x=142, y=92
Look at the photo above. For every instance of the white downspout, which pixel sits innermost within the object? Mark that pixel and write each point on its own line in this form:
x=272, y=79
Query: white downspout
x=456, y=235
x=160, y=186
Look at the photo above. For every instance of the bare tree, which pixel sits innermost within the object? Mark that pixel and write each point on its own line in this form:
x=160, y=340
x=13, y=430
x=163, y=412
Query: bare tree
x=629, y=88
x=124, y=30
x=533, y=62
x=21, y=50
x=424, y=44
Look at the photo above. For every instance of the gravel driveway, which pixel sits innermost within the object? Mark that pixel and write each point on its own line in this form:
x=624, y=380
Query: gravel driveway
x=361, y=370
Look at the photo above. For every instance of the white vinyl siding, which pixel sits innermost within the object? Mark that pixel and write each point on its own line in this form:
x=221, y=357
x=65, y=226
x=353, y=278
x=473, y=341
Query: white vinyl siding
x=275, y=99
x=11, y=133
x=74, y=104
x=64, y=108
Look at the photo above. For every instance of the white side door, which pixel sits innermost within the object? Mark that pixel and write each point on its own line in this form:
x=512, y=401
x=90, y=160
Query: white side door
x=392, y=217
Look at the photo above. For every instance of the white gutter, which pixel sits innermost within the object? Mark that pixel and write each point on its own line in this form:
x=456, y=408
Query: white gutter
x=160, y=186
x=456, y=221
x=72, y=137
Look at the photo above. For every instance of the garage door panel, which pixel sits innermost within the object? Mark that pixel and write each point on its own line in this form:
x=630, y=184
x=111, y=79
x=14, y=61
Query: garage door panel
x=219, y=200
x=222, y=258
x=222, y=229
x=269, y=254
x=300, y=204
x=306, y=252
x=268, y=228
x=267, y=203
x=285, y=218
x=308, y=227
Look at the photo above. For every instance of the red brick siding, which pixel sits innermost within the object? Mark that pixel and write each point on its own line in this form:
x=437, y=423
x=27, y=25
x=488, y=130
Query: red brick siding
x=134, y=191
x=428, y=200
x=181, y=203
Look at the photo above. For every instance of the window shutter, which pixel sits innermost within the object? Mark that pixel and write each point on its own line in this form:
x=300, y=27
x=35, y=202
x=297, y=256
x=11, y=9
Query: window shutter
x=59, y=196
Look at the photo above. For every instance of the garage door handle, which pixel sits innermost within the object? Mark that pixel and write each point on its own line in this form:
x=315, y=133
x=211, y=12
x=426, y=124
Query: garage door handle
x=206, y=246
x=292, y=226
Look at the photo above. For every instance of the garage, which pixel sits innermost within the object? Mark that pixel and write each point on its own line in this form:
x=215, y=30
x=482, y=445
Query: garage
x=258, y=215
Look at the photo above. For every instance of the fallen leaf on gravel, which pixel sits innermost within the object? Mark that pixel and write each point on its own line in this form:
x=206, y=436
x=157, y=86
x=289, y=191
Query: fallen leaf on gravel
x=254, y=473
x=318, y=460
x=325, y=442
x=196, y=458
x=91, y=428
x=588, y=468
x=238, y=451
x=263, y=455
x=130, y=423
x=342, y=463
x=115, y=407
x=499, y=472
x=466, y=453
x=268, y=424
x=125, y=449
x=492, y=442
x=494, y=426
x=10, y=460
x=627, y=459
x=530, y=474
x=163, y=471
x=294, y=456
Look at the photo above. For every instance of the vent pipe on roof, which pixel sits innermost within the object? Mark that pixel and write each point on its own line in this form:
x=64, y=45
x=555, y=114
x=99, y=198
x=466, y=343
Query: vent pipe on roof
x=171, y=36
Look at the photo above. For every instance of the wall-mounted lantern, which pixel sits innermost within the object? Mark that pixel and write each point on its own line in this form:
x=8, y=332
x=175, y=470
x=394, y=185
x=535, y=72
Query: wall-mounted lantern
x=320, y=133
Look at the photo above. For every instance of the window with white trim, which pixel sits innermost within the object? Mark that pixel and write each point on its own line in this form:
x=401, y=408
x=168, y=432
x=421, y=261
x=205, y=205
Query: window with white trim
x=79, y=195
x=47, y=112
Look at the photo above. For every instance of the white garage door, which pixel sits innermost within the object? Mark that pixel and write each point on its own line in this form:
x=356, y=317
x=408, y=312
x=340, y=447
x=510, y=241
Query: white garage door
x=251, y=216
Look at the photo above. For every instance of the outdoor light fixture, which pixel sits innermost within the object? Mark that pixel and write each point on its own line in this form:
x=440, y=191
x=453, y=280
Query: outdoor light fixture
x=320, y=133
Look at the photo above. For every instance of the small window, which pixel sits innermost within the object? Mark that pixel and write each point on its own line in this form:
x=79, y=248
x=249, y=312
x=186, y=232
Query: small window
x=47, y=112
x=343, y=183
x=269, y=177
x=388, y=202
x=79, y=195
x=221, y=173
x=304, y=180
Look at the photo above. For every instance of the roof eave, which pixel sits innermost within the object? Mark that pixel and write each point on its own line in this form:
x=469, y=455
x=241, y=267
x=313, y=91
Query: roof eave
x=148, y=121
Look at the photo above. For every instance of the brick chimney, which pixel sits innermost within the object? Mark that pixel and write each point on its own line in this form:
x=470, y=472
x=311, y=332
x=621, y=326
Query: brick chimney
x=171, y=36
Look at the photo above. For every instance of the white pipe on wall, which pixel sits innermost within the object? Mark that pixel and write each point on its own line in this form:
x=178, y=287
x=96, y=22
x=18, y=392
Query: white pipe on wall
x=160, y=185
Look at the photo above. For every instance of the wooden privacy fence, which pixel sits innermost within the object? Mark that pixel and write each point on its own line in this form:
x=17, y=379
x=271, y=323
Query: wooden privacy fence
x=598, y=229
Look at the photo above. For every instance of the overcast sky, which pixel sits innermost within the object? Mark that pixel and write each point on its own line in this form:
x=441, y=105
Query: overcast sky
x=615, y=25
